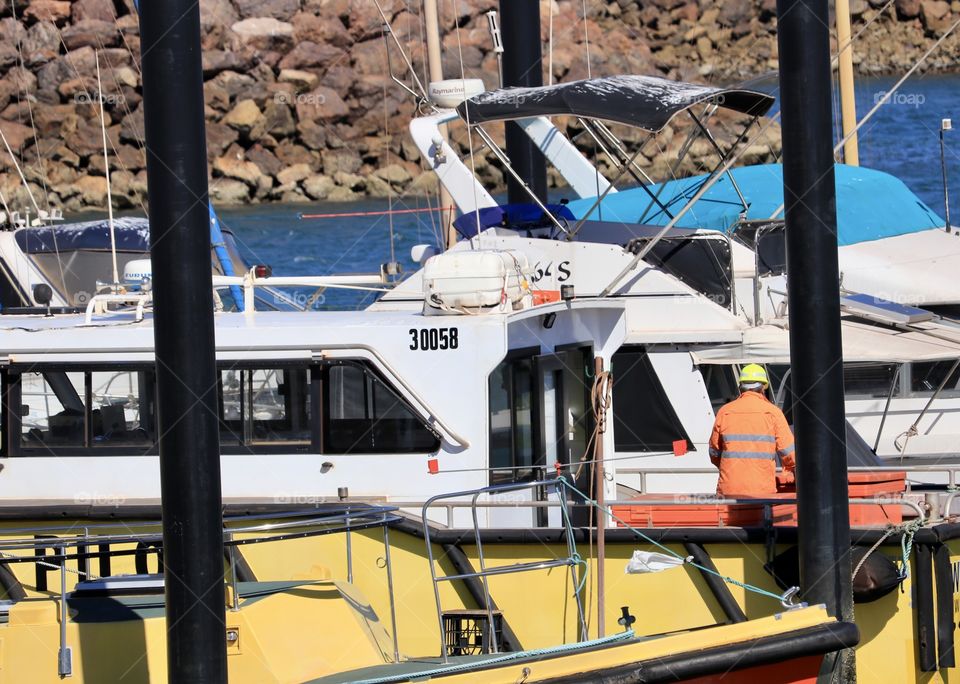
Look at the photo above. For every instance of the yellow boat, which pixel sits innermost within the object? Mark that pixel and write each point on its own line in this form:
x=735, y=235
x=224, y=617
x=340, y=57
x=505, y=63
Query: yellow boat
x=85, y=603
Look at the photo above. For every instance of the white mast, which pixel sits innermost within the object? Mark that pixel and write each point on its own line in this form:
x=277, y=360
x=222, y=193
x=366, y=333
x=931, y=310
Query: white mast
x=848, y=107
x=432, y=29
x=106, y=166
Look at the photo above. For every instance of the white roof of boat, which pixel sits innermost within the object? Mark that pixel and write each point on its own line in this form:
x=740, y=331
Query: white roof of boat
x=862, y=342
x=264, y=330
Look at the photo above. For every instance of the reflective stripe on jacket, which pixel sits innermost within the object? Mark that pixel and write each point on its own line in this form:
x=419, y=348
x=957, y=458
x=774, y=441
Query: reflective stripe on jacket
x=748, y=435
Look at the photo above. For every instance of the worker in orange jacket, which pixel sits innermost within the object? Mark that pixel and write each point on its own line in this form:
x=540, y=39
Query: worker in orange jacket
x=748, y=435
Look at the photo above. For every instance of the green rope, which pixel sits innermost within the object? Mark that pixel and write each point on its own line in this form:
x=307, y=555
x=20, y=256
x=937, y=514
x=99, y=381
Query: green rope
x=743, y=585
x=906, y=545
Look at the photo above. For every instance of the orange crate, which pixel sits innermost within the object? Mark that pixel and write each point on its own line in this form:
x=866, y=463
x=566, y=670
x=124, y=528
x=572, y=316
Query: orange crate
x=688, y=515
x=861, y=486
x=545, y=297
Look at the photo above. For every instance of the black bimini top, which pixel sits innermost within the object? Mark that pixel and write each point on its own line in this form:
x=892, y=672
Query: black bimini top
x=646, y=102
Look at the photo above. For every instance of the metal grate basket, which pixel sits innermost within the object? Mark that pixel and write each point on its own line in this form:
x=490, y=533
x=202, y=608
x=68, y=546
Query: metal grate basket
x=466, y=632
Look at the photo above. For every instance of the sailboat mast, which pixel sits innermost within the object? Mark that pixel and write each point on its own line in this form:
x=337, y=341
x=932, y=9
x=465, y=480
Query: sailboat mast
x=813, y=284
x=106, y=170
x=184, y=341
x=522, y=66
x=431, y=22
x=848, y=107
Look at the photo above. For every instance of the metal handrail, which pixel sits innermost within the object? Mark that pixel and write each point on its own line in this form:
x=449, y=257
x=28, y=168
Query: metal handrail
x=571, y=561
x=951, y=471
x=311, y=524
x=677, y=500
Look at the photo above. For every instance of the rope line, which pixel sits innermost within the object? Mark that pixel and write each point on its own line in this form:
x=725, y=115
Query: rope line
x=781, y=598
x=505, y=658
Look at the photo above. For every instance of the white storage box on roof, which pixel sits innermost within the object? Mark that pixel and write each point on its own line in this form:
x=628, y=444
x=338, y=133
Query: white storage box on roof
x=476, y=281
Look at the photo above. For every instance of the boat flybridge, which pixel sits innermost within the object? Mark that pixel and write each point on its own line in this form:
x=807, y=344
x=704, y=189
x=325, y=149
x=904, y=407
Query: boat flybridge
x=902, y=385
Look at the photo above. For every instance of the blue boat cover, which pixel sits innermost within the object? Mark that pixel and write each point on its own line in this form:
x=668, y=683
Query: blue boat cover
x=515, y=216
x=871, y=204
x=132, y=235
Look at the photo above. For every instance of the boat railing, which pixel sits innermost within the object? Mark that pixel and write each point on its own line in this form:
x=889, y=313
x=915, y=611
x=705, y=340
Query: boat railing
x=450, y=508
x=951, y=471
x=258, y=277
x=571, y=561
x=238, y=531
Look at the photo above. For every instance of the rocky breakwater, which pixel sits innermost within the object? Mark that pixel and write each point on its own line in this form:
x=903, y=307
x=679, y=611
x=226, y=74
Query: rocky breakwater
x=301, y=106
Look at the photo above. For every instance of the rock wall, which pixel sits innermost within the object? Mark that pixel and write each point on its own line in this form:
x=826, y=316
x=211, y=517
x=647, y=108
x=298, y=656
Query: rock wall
x=300, y=105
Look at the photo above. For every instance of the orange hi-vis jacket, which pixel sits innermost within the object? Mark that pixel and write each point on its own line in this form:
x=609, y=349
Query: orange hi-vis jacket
x=748, y=435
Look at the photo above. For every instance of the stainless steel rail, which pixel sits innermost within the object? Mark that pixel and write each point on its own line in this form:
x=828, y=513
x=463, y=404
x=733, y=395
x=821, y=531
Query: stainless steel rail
x=678, y=500
x=571, y=561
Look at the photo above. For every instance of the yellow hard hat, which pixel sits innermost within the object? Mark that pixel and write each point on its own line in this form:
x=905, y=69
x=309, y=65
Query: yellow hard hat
x=753, y=373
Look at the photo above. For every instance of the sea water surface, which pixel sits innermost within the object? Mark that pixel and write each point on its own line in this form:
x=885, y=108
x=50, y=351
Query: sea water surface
x=902, y=138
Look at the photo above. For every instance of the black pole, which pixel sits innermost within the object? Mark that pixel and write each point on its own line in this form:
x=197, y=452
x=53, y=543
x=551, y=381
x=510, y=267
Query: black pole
x=522, y=66
x=184, y=338
x=813, y=284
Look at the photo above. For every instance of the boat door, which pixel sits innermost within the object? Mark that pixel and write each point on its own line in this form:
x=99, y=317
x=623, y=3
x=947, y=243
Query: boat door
x=565, y=380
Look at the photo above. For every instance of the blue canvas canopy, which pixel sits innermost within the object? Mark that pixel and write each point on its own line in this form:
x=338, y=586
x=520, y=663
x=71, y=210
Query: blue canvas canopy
x=871, y=204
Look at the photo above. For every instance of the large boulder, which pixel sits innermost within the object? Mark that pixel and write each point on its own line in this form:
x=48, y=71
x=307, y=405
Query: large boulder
x=907, y=9
x=323, y=29
x=301, y=81
x=92, y=190
x=240, y=169
x=215, y=61
x=219, y=138
x=935, y=15
x=98, y=10
x=263, y=33
x=278, y=9
x=321, y=104
x=16, y=134
x=309, y=54
x=227, y=191
x=93, y=32
x=217, y=13
x=57, y=11
x=244, y=117
x=40, y=44
x=277, y=120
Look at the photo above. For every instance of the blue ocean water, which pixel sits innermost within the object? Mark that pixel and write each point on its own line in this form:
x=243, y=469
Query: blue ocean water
x=902, y=138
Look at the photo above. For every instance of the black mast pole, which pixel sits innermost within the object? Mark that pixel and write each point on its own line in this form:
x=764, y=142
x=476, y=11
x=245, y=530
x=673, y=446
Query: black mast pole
x=813, y=284
x=522, y=66
x=184, y=337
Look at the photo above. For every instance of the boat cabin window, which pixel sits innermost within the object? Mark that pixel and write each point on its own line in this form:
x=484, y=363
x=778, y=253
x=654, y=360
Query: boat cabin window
x=721, y=382
x=511, y=390
x=869, y=379
x=265, y=406
x=927, y=376
x=343, y=407
x=86, y=409
x=364, y=415
x=643, y=417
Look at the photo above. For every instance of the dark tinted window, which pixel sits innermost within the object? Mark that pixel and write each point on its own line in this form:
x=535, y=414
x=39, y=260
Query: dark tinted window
x=868, y=379
x=643, y=418
x=77, y=409
x=365, y=416
x=511, y=420
x=929, y=375
x=265, y=406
